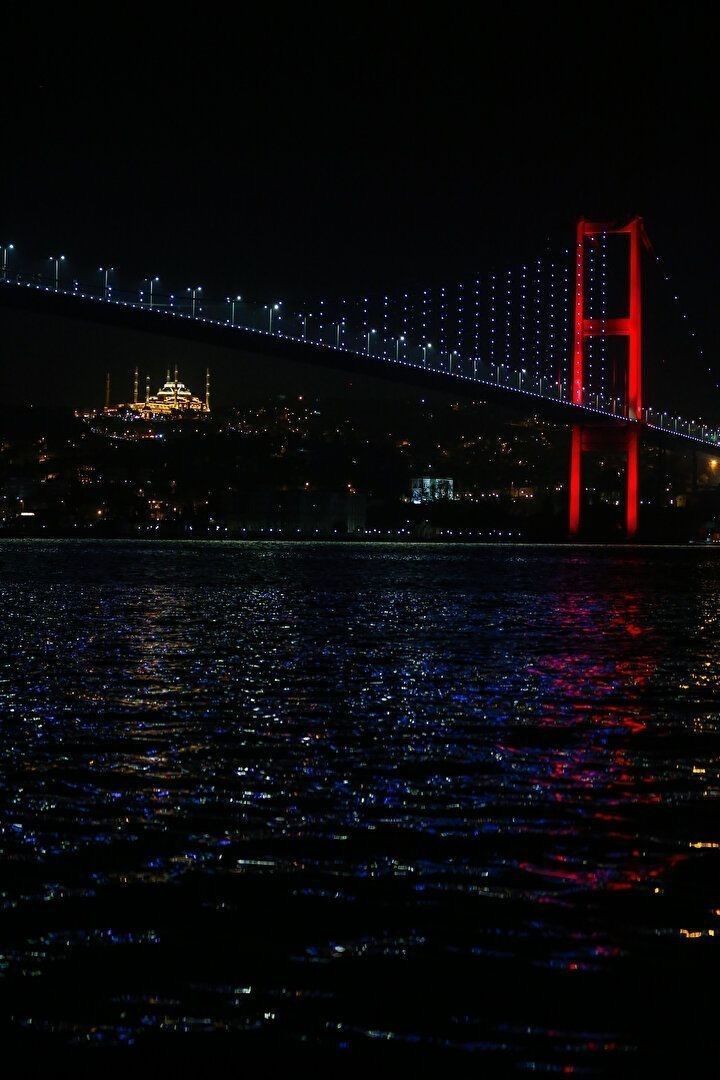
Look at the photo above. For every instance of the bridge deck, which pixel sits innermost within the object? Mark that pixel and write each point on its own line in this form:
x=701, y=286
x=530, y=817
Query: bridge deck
x=174, y=323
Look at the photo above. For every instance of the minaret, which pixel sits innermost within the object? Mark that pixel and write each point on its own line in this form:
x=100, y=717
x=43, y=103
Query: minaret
x=147, y=389
x=135, y=386
x=168, y=375
x=107, y=390
x=207, y=390
x=176, y=384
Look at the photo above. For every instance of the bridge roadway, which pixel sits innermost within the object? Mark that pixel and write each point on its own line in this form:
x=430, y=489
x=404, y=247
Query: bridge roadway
x=174, y=323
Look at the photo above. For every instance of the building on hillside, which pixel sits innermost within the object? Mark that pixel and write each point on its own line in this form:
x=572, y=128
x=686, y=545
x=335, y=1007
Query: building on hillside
x=173, y=399
x=425, y=489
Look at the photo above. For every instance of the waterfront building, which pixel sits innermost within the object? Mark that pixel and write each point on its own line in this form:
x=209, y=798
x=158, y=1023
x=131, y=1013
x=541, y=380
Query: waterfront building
x=425, y=489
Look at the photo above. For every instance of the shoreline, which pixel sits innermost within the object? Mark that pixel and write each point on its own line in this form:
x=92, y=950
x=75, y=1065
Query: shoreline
x=366, y=542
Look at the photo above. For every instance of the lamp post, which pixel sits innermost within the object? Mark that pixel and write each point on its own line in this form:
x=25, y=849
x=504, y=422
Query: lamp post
x=150, y=281
x=369, y=335
x=338, y=330
x=6, y=249
x=270, y=308
x=232, y=301
x=57, y=259
x=193, y=298
x=106, y=271
x=425, y=348
x=397, y=347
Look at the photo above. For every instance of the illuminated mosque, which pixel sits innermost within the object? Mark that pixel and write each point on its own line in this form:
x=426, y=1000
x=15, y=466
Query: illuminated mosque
x=173, y=398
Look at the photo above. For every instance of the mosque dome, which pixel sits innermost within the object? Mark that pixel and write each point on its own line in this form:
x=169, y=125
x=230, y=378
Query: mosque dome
x=173, y=397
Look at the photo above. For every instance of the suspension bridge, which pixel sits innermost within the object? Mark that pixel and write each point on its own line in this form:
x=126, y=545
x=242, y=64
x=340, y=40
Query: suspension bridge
x=544, y=336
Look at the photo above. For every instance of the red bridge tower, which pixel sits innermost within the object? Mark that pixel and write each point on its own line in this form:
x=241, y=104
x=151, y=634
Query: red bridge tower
x=624, y=438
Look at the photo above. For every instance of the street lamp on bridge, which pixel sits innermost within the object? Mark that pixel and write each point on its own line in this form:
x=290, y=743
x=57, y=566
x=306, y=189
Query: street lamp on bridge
x=5, y=249
x=425, y=348
x=398, y=340
x=56, y=259
x=150, y=282
x=232, y=301
x=106, y=271
x=369, y=335
x=193, y=291
x=270, y=308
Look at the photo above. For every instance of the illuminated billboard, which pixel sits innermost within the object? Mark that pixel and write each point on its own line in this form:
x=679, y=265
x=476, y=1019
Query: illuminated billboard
x=425, y=489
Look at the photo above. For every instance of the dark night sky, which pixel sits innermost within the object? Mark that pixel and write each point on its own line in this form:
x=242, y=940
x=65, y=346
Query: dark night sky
x=285, y=154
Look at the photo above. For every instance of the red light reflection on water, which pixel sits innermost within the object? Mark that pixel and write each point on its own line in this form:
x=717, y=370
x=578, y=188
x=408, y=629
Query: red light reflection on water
x=594, y=696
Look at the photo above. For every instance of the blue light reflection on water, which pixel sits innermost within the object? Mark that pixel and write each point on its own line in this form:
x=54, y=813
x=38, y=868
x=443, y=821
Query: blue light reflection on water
x=350, y=797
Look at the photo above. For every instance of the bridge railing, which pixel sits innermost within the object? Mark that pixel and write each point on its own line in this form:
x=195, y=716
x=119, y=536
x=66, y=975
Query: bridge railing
x=274, y=319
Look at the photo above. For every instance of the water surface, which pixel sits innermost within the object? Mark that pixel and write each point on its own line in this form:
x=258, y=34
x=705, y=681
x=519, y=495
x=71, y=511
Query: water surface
x=398, y=806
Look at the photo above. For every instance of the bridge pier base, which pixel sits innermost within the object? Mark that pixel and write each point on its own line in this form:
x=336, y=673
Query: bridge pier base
x=592, y=439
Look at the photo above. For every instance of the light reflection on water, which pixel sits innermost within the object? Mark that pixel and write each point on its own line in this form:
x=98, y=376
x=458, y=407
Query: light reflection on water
x=453, y=800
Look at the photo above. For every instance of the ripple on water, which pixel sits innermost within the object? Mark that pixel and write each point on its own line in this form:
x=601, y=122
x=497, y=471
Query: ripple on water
x=453, y=800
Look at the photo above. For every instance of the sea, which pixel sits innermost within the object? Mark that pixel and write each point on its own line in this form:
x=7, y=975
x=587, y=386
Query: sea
x=405, y=809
